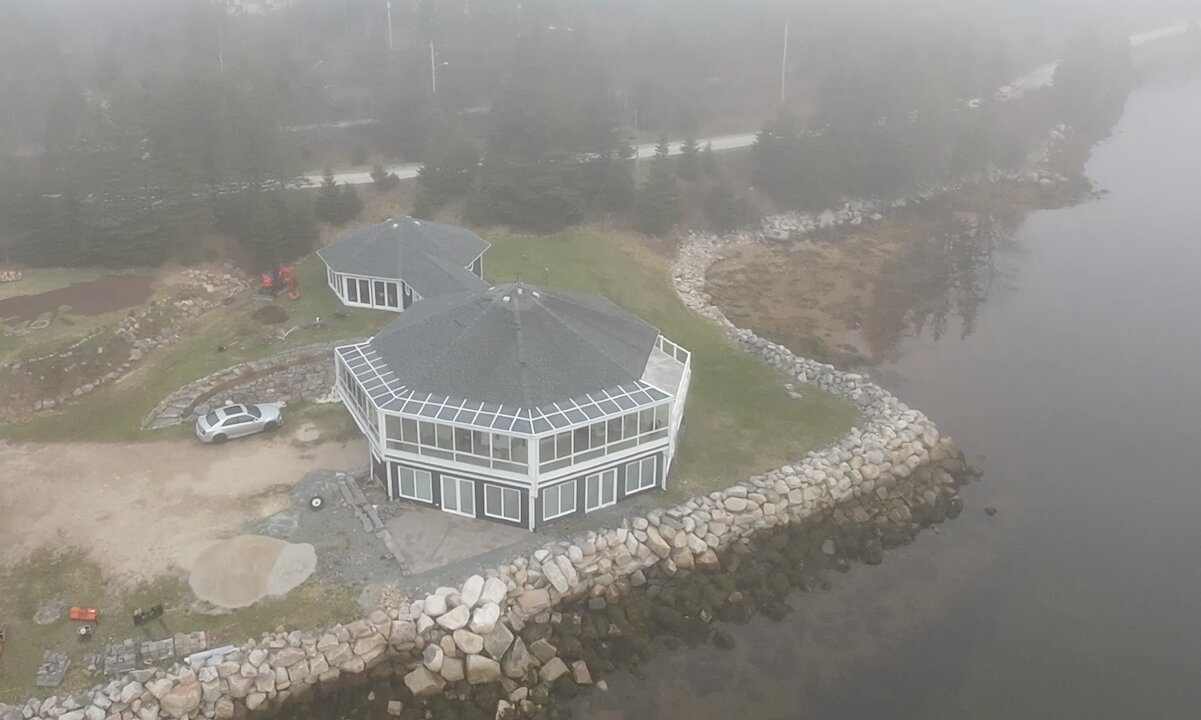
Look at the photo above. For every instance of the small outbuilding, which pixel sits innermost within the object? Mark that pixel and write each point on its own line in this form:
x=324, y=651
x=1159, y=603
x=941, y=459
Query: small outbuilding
x=391, y=265
x=518, y=404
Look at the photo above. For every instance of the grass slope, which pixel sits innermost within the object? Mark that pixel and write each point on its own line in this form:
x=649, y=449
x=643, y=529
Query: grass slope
x=115, y=413
x=738, y=421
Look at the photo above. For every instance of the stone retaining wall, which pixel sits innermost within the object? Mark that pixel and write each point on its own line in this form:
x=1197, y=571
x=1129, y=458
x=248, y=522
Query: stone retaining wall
x=879, y=473
x=304, y=373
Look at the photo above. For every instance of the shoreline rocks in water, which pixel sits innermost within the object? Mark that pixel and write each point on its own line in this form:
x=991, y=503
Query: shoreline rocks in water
x=893, y=473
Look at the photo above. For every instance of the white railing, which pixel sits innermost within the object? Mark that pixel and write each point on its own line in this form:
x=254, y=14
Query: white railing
x=675, y=351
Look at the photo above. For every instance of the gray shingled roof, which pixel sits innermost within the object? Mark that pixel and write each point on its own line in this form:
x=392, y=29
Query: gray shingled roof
x=514, y=345
x=431, y=257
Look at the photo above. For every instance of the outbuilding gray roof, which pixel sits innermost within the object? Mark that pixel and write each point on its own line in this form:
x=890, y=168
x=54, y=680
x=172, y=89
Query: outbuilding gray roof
x=510, y=357
x=432, y=258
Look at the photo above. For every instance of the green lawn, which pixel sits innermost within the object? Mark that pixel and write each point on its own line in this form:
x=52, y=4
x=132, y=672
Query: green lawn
x=738, y=420
x=69, y=576
x=115, y=413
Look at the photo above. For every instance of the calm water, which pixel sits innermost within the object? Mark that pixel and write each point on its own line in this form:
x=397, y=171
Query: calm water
x=1078, y=392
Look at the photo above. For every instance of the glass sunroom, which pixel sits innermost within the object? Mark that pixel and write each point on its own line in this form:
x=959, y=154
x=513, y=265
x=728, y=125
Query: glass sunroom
x=515, y=463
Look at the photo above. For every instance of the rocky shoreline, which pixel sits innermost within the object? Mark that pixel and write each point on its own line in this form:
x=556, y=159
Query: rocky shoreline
x=893, y=473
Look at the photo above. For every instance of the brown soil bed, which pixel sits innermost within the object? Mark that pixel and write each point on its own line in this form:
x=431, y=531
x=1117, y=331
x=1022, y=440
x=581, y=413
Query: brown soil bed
x=111, y=292
x=270, y=315
x=851, y=295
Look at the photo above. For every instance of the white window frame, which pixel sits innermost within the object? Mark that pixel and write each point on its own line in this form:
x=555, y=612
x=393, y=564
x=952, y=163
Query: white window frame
x=638, y=469
x=557, y=490
x=509, y=497
x=416, y=477
x=600, y=479
x=458, y=483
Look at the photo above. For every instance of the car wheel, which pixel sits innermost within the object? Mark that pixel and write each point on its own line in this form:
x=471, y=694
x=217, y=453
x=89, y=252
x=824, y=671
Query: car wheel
x=271, y=425
x=219, y=438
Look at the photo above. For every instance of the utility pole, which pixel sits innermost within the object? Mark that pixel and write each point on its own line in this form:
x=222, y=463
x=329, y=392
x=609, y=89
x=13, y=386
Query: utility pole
x=433, y=71
x=784, y=67
x=390, y=47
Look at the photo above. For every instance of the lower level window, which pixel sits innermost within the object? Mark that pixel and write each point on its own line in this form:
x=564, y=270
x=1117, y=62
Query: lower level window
x=640, y=475
x=416, y=484
x=502, y=503
x=600, y=490
x=458, y=495
x=558, y=501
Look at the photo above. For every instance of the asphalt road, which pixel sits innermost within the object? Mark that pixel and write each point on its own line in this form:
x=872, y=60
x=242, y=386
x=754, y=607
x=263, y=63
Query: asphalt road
x=1033, y=80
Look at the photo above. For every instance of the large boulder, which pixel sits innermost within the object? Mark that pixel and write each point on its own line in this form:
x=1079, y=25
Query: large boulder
x=482, y=670
x=456, y=618
x=517, y=660
x=498, y=641
x=494, y=591
x=435, y=605
x=468, y=642
x=472, y=589
x=433, y=656
x=484, y=619
x=183, y=699
x=553, y=670
x=423, y=683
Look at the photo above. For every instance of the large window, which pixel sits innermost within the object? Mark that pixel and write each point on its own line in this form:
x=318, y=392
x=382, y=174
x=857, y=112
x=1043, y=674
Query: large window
x=360, y=404
x=558, y=500
x=502, y=503
x=640, y=475
x=473, y=447
x=600, y=490
x=458, y=495
x=601, y=438
x=352, y=289
x=415, y=484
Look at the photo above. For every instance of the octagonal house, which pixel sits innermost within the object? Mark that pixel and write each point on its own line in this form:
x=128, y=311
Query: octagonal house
x=391, y=265
x=517, y=404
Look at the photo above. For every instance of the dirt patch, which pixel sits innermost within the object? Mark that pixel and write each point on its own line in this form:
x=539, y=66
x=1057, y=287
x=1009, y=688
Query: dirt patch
x=111, y=292
x=141, y=509
x=242, y=570
x=270, y=315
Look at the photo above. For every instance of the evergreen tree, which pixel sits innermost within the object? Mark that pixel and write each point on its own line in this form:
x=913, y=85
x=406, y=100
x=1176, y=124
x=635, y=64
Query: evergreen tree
x=447, y=175
x=350, y=205
x=708, y=162
x=690, y=167
x=726, y=208
x=663, y=148
x=659, y=207
x=382, y=179
x=336, y=204
x=326, y=205
x=264, y=236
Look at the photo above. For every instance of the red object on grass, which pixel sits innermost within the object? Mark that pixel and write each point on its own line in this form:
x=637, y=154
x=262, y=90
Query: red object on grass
x=83, y=614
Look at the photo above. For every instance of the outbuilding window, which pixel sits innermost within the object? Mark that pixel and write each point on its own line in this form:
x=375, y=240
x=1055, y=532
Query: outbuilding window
x=416, y=484
x=558, y=500
x=502, y=503
x=458, y=495
x=600, y=490
x=640, y=475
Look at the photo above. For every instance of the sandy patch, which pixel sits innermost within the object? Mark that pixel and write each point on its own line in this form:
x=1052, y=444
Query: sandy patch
x=242, y=570
x=140, y=509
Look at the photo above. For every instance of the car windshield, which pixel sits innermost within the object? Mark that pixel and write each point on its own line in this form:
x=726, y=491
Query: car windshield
x=211, y=419
x=254, y=411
